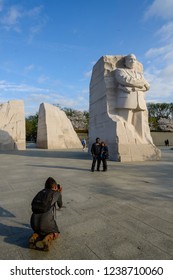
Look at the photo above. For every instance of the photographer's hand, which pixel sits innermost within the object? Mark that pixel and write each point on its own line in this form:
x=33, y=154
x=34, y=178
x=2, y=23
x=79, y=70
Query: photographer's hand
x=60, y=189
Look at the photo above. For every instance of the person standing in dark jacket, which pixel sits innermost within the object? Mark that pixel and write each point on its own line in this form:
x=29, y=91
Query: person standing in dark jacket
x=104, y=154
x=95, y=151
x=43, y=224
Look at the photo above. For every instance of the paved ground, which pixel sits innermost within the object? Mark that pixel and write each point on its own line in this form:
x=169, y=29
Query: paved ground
x=125, y=213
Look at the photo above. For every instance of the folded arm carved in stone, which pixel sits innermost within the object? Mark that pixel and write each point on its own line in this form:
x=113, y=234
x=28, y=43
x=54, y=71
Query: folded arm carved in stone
x=130, y=85
x=131, y=80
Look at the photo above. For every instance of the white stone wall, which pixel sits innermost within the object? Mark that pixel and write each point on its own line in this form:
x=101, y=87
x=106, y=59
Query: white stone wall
x=55, y=130
x=12, y=126
x=160, y=137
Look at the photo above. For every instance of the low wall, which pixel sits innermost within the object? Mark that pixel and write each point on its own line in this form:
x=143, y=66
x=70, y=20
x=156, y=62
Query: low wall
x=160, y=137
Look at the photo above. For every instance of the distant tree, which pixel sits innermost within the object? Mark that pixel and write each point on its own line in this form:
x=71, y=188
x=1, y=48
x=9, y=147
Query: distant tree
x=69, y=111
x=31, y=127
x=160, y=110
x=57, y=105
x=165, y=125
x=157, y=111
x=79, y=119
x=86, y=114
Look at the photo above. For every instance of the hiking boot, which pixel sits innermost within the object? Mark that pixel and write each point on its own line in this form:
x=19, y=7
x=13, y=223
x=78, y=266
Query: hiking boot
x=45, y=243
x=32, y=240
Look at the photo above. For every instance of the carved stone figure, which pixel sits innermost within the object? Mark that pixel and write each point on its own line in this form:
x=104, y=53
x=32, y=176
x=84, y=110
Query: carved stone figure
x=118, y=112
x=130, y=92
x=131, y=86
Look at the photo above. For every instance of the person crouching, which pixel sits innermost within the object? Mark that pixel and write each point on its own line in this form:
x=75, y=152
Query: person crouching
x=43, y=217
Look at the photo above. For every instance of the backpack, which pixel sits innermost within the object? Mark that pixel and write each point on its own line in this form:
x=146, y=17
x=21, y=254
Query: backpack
x=42, y=202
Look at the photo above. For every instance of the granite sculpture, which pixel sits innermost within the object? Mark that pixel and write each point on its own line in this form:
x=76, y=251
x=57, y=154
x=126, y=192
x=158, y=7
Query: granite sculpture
x=55, y=130
x=12, y=125
x=118, y=112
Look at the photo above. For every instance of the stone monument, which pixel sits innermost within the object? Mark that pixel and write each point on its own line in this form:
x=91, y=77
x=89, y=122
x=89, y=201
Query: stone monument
x=118, y=113
x=12, y=126
x=55, y=130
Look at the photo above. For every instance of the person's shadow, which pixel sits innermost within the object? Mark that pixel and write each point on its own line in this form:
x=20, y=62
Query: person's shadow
x=17, y=235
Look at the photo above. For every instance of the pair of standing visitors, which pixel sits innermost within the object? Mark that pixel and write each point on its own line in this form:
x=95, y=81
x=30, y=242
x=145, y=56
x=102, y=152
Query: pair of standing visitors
x=167, y=142
x=100, y=153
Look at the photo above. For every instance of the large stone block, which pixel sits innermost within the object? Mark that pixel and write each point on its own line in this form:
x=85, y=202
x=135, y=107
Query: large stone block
x=12, y=126
x=117, y=112
x=55, y=130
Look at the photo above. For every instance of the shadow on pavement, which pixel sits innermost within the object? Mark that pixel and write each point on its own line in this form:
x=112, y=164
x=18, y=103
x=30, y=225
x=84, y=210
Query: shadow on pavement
x=5, y=213
x=60, y=167
x=16, y=235
x=70, y=154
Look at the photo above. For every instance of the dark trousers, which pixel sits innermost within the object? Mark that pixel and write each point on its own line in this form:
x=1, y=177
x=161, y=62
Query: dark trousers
x=104, y=161
x=95, y=159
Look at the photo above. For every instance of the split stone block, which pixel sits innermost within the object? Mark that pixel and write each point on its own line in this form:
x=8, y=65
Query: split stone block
x=55, y=130
x=12, y=126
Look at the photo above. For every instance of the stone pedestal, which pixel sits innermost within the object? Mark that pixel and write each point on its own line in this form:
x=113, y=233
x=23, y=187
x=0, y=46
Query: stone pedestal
x=55, y=130
x=126, y=142
x=12, y=126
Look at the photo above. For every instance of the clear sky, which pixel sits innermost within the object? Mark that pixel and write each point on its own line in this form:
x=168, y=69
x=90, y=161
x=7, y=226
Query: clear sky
x=48, y=47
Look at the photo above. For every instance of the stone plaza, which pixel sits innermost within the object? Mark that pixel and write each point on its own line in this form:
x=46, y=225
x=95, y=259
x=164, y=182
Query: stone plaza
x=123, y=214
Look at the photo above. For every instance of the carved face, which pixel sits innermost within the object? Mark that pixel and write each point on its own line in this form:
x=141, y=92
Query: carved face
x=130, y=61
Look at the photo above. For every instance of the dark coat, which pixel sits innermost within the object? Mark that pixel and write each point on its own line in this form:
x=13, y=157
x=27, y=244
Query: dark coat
x=45, y=223
x=95, y=149
x=104, y=153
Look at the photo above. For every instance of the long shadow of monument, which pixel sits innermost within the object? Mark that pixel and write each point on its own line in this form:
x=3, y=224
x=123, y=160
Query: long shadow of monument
x=17, y=235
x=5, y=213
x=70, y=154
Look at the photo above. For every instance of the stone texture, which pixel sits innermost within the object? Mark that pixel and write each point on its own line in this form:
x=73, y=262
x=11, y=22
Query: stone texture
x=55, y=130
x=12, y=126
x=127, y=141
